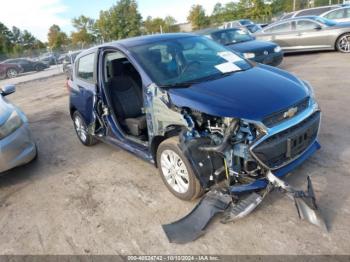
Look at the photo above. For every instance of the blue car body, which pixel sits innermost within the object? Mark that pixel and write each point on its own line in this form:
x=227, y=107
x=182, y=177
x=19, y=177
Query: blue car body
x=264, y=52
x=253, y=96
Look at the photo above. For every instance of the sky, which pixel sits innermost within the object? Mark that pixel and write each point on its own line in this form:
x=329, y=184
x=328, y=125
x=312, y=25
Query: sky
x=37, y=16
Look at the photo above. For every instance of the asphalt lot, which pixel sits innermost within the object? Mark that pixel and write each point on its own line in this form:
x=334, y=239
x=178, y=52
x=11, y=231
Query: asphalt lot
x=101, y=200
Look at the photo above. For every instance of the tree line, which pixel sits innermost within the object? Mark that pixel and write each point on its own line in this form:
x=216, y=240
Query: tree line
x=124, y=20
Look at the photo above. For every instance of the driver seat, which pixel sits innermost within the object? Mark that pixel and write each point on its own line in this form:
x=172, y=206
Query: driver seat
x=127, y=102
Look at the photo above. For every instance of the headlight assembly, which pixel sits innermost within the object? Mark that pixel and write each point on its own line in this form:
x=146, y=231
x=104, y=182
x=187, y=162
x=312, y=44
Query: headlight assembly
x=277, y=49
x=11, y=124
x=248, y=55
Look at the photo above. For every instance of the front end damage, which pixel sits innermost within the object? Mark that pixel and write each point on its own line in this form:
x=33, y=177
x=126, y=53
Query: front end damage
x=240, y=161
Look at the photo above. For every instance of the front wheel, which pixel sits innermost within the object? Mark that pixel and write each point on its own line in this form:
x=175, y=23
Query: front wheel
x=11, y=73
x=343, y=43
x=176, y=171
x=82, y=131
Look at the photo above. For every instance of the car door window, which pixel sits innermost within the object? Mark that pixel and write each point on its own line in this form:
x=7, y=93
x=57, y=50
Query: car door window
x=86, y=67
x=285, y=27
x=337, y=14
x=303, y=25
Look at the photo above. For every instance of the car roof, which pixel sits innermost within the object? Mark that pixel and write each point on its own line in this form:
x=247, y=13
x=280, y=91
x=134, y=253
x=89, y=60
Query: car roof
x=138, y=40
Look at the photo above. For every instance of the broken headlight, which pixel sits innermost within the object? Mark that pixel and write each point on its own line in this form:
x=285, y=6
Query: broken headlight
x=12, y=124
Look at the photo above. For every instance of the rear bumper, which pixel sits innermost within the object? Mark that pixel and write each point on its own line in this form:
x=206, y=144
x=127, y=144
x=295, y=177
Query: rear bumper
x=262, y=182
x=273, y=59
x=17, y=149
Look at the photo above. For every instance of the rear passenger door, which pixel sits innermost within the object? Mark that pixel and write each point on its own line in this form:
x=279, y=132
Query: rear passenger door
x=84, y=86
x=282, y=34
x=311, y=35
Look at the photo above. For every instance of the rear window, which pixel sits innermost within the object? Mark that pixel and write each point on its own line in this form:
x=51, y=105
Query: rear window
x=86, y=67
x=285, y=27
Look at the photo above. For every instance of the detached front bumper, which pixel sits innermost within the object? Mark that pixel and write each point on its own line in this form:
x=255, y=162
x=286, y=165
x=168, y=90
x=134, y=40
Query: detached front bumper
x=273, y=59
x=263, y=182
x=17, y=149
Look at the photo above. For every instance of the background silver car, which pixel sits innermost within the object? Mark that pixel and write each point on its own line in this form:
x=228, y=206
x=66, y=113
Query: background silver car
x=308, y=33
x=16, y=143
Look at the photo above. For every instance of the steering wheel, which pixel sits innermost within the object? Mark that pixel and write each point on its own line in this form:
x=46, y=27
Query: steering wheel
x=188, y=65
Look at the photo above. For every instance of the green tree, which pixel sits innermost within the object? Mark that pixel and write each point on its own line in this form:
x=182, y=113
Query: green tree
x=5, y=41
x=217, y=14
x=56, y=38
x=197, y=17
x=85, y=31
x=120, y=21
x=158, y=25
x=170, y=25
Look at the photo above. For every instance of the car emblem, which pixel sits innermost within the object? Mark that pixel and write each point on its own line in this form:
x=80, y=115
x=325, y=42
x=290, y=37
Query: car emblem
x=266, y=52
x=290, y=113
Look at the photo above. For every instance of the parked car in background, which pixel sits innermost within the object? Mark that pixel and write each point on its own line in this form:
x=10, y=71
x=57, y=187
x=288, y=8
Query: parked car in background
x=49, y=58
x=242, y=23
x=308, y=33
x=9, y=70
x=194, y=108
x=246, y=45
x=341, y=14
x=316, y=11
x=28, y=65
x=68, y=61
x=17, y=146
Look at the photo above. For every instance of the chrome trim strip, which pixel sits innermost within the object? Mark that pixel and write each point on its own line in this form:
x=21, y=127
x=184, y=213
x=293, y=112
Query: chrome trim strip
x=283, y=126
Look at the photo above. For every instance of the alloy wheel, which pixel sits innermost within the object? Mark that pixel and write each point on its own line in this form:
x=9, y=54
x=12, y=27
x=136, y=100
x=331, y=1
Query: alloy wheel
x=11, y=73
x=80, y=128
x=174, y=171
x=344, y=43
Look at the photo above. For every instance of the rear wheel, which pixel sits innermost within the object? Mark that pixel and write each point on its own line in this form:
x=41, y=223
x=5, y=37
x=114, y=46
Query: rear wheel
x=176, y=171
x=39, y=68
x=343, y=43
x=82, y=130
x=11, y=73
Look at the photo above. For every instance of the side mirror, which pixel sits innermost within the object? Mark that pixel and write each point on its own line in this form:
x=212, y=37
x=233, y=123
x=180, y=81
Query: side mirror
x=8, y=89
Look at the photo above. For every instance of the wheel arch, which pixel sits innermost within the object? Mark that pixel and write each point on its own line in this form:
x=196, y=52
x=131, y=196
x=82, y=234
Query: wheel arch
x=171, y=131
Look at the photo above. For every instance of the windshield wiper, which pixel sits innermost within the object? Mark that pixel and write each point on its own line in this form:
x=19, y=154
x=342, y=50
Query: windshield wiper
x=179, y=84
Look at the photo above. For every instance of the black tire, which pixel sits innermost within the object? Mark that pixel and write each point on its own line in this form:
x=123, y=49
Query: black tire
x=12, y=73
x=39, y=68
x=344, y=37
x=81, y=130
x=194, y=189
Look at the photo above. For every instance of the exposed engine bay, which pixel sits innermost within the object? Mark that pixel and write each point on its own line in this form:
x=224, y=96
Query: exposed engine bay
x=225, y=142
x=229, y=157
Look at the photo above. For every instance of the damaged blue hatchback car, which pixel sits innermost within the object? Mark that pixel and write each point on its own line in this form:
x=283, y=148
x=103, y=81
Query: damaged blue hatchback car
x=203, y=115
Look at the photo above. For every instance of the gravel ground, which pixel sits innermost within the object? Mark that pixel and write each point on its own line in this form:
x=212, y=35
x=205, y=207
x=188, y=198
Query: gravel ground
x=103, y=200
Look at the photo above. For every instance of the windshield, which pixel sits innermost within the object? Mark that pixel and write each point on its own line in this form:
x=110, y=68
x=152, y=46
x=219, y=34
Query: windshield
x=187, y=60
x=325, y=21
x=246, y=22
x=231, y=36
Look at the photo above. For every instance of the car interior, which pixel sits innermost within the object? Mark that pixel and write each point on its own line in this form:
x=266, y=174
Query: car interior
x=124, y=88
